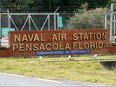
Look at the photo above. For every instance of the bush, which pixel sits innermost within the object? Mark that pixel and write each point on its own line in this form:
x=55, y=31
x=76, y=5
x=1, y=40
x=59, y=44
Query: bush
x=91, y=19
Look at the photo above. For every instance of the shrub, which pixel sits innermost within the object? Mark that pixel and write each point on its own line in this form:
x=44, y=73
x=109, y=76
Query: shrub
x=91, y=19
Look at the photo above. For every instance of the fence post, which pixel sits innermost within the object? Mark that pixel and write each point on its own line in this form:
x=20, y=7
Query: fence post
x=9, y=26
x=106, y=21
x=29, y=22
x=111, y=21
x=48, y=22
x=0, y=27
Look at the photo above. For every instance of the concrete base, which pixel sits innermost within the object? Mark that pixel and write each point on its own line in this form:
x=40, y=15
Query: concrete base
x=110, y=65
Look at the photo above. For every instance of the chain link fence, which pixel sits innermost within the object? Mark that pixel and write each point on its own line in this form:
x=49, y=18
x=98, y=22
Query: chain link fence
x=45, y=21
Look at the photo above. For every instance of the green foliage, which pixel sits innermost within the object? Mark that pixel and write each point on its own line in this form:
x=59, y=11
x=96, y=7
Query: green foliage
x=50, y=5
x=14, y=5
x=91, y=19
x=96, y=3
x=111, y=1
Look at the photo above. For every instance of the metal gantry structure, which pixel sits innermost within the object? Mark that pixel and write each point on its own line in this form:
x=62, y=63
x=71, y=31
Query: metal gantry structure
x=30, y=20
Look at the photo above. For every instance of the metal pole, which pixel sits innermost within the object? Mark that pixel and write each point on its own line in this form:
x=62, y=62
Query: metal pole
x=0, y=27
x=29, y=22
x=106, y=21
x=111, y=28
x=44, y=23
x=111, y=21
x=57, y=22
x=48, y=22
x=9, y=22
x=9, y=26
x=29, y=13
x=24, y=24
x=14, y=23
x=34, y=23
x=54, y=22
x=57, y=9
x=114, y=25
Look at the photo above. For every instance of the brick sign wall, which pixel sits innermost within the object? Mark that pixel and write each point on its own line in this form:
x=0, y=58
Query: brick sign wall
x=33, y=43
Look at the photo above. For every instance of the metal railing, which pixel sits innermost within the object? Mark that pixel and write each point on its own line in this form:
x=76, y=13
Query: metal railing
x=10, y=20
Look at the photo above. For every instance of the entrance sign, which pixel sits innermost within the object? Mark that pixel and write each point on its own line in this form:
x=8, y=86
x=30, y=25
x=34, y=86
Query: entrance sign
x=33, y=43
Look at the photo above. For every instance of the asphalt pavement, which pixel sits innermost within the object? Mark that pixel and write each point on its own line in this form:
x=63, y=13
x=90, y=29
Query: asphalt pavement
x=11, y=80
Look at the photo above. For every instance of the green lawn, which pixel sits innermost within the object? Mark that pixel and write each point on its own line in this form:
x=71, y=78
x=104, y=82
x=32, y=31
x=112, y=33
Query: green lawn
x=89, y=71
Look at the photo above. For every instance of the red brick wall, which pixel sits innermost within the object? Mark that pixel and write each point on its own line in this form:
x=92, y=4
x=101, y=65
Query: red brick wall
x=5, y=52
x=47, y=35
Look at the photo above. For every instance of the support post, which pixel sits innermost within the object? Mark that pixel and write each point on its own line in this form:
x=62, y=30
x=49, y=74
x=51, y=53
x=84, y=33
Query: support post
x=54, y=22
x=57, y=22
x=106, y=21
x=114, y=25
x=111, y=21
x=9, y=25
x=0, y=26
x=48, y=22
x=29, y=17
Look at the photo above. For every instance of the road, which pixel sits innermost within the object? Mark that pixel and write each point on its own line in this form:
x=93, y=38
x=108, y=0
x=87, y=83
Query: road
x=11, y=80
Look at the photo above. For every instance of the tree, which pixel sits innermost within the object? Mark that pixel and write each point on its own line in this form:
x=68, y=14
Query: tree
x=14, y=5
x=50, y=5
x=96, y=3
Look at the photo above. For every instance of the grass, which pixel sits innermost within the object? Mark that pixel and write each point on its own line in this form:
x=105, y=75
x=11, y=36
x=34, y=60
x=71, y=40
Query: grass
x=88, y=71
